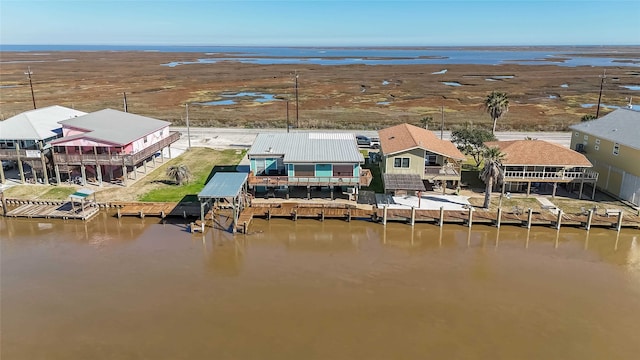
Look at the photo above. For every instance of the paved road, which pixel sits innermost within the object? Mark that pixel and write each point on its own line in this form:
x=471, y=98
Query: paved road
x=228, y=138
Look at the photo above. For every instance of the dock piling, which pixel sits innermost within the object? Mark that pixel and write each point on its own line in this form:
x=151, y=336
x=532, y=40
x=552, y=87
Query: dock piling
x=559, y=220
x=589, y=217
x=529, y=216
x=499, y=217
x=441, y=220
x=413, y=215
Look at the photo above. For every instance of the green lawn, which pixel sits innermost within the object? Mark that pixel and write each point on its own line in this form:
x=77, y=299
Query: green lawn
x=202, y=168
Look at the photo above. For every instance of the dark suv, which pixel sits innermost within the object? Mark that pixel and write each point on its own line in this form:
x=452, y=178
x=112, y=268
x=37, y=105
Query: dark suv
x=363, y=140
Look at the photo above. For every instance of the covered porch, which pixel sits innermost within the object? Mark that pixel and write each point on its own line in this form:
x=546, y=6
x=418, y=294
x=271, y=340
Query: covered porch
x=228, y=189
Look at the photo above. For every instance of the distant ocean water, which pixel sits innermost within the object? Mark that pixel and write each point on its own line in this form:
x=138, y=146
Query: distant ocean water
x=561, y=56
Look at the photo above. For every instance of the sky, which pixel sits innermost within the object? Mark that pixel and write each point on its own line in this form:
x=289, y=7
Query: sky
x=319, y=22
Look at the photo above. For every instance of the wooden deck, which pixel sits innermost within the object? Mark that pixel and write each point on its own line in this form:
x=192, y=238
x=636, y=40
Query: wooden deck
x=54, y=211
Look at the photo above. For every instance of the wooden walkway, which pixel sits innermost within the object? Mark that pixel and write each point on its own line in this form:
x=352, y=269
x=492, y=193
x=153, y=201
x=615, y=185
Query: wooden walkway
x=54, y=211
x=341, y=211
x=157, y=209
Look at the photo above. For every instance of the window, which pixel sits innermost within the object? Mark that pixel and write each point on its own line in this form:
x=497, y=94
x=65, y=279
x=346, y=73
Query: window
x=430, y=159
x=342, y=170
x=304, y=170
x=401, y=162
x=616, y=149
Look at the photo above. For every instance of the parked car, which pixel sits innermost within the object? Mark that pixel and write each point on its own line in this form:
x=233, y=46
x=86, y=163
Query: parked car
x=363, y=140
x=375, y=143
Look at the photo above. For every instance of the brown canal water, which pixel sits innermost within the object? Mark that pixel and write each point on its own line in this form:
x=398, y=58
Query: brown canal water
x=136, y=289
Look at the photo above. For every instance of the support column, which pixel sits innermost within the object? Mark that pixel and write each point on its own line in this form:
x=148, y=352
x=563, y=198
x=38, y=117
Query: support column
x=83, y=171
x=308, y=192
x=20, y=168
x=580, y=193
x=593, y=193
x=57, y=169
x=99, y=173
x=331, y=187
x=528, y=188
x=45, y=175
x=2, y=179
x=555, y=186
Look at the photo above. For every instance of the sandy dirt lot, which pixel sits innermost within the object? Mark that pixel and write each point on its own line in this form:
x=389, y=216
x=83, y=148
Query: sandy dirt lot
x=349, y=96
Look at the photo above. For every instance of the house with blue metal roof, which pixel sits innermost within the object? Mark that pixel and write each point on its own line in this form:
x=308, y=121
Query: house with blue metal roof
x=306, y=159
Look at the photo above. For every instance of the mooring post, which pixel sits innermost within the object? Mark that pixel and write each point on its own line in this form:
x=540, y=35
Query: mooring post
x=322, y=214
x=141, y=214
x=119, y=215
x=162, y=216
x=589, y=217
x=529, y=216
x=619, y=223
x=348, y=214
x=470, y=221
x=269, y=213
x=244, y=227
x=295, y=214
x=559, y=219
x=413, y=215
x=441, y=220
x=384, y=215
x=499, y=217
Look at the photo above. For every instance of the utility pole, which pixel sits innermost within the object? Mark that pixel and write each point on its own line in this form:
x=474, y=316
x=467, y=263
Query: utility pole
x=124, y=95
x=604, y=75
x=442, y=124
x=287, y=115
x=33, y=97
x=188, y=132
x=297, y=118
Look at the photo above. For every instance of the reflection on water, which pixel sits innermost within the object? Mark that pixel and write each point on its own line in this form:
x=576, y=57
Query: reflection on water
x=137, y=288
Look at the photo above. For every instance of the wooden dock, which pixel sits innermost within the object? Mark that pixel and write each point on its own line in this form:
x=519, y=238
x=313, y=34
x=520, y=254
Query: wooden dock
x=53, y=210
x=462, y=217
x=157, y=209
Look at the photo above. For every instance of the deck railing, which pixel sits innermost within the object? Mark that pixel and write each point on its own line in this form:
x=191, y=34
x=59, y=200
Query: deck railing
x=116, y=159
x=438, y=171
x=12, y=154
x=364, y=179
x=550, y=176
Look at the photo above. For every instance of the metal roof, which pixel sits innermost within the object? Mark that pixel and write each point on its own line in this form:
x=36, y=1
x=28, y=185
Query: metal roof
x=302, y=147
x=621, y=126
x=38, y=124
x=403, y=182
x=223, y=185
x=115, y=126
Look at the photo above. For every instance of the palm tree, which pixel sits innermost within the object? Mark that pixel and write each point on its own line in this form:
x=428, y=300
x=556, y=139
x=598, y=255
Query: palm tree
x=496, y=104
x=492, y=172
x=179, y=172
x=425, y=121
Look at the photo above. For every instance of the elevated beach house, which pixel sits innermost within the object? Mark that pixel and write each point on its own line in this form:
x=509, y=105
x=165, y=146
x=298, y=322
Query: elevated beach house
x=287, y=161
x=612, y=144
x=413, y=155
x=24, y=139
x=537, y=163
x=109, y=145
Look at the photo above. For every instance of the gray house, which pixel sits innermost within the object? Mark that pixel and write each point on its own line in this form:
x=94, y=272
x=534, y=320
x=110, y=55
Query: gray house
x=24, y=138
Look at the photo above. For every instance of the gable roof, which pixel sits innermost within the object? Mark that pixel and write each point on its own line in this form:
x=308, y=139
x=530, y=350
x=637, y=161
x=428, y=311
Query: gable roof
x=405, y=137
x=621, y=126
x=302, y=147
x=38, y=124
x=538, y=152
x=113, y=126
